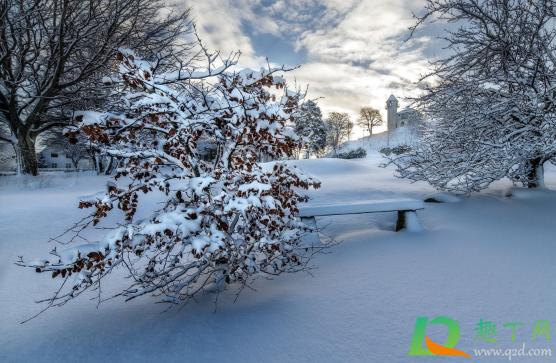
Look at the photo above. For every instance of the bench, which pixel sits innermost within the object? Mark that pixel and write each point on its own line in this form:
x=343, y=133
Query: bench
x=407, y=218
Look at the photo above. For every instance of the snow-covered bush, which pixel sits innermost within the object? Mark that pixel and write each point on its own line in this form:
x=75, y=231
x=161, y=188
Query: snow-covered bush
x=223, y=219
x=387, y=151
x=396, y=150
x=358, y=153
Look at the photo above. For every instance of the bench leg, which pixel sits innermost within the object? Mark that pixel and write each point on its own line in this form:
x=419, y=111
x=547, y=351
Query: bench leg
x=409, y=221
x=314, y=238
x=309, y=221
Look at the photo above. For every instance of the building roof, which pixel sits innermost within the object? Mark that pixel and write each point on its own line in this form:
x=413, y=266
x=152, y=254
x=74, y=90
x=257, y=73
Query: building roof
x=392, y=98
x=407, y=110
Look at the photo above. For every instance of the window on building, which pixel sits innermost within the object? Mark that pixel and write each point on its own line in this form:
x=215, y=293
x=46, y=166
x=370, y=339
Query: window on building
x=54, y=165
x=68, y=165
x=54, y=155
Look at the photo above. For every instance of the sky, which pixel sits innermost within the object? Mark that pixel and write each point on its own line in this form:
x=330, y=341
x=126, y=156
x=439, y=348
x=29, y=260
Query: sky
x=350, y=53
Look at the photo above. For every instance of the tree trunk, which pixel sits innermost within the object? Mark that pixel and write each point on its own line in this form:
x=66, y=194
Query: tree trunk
x=27, y=155
x=535, y=178
x=110, y=166
x=100, y=166
x=95, y=157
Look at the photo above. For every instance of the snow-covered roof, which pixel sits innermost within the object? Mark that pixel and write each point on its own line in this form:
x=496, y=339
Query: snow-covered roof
x=407, y=110
x=392, y=98
x=52, y=149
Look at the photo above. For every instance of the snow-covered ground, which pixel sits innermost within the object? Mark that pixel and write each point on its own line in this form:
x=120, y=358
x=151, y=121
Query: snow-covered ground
x=487, y=257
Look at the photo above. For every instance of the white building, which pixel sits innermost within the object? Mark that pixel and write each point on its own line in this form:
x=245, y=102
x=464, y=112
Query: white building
x=408, y=117
x=7, y=157
x=59, y=159
x=50, y=158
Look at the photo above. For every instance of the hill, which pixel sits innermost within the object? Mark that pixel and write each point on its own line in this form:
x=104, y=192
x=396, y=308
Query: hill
x=374, y=143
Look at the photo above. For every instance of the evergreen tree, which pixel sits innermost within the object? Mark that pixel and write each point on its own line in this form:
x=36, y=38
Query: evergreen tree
x=310, y=126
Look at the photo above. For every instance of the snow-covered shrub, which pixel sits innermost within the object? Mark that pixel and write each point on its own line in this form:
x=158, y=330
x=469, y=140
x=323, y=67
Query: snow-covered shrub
x=396, y=150
x=358, y=153
x=224, y=218
x=386, y=151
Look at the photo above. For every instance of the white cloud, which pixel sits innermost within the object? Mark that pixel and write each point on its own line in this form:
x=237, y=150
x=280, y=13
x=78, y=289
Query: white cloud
x=219, y=23
x=354, y=51
x=361, y=60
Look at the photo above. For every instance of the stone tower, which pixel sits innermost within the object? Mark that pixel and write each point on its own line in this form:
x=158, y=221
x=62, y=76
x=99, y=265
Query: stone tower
x=392, y=113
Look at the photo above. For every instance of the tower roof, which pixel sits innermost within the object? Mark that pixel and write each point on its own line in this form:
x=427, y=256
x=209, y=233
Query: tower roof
x=392, y=98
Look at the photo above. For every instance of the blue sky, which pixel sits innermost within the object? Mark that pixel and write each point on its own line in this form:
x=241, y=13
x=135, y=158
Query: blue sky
x=351, y=52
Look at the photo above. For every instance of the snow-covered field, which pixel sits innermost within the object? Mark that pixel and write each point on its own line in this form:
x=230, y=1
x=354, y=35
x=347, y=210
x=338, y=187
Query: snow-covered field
x=488, y=257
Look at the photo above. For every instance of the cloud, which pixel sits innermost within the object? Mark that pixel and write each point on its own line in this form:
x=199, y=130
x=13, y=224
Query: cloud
x=220, y=25
x=352, y=52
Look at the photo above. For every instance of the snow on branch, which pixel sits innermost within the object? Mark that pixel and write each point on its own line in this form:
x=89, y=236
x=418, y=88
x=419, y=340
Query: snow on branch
x=193, y=139
x=492, y=100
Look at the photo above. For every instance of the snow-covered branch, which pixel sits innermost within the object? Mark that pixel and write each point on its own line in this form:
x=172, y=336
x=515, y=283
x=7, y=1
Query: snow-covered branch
x=492, y=100
x=224, y=217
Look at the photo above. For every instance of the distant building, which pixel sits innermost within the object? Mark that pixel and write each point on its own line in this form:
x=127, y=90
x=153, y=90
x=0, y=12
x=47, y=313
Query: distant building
x=50, y=158
x=57, y=158
x=408, y=117
x=7, y=157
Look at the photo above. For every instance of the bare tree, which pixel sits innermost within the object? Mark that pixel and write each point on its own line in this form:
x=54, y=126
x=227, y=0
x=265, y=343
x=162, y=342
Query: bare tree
x=54, y=53
x=369, y=118
x=338, y=129
x=492, y=100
